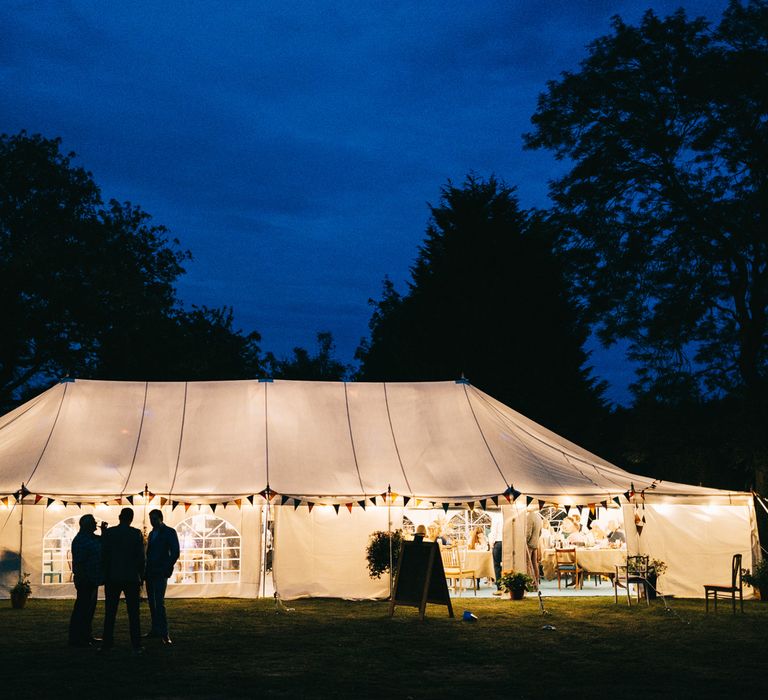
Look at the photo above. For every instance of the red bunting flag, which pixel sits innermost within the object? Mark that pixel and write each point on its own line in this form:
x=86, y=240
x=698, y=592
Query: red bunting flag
x=310, y=505
x=186, y=507
x=349, y=506
x=37, y=498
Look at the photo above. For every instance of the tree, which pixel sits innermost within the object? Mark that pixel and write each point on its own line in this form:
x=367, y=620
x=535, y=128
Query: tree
x=88, y=289
x=322, y=366
x=487, y=299
x=662, y=216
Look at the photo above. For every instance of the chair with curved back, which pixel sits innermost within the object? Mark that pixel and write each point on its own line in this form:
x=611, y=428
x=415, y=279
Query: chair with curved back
x=735, y=587
x=453, y=564
x=567, y=566
x=635, y=571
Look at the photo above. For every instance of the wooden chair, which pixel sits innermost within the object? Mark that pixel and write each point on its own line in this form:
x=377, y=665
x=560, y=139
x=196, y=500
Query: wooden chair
x=454, y=569
x=735, y=587
x=635, y=571
x=566, y=565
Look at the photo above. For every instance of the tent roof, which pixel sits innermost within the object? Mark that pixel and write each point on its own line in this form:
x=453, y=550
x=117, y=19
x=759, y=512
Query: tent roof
x=213, y=440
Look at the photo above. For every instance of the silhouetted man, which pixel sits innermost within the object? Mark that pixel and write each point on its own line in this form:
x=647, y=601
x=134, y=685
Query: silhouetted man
x=123, y=556
x=88, y=576
x=162, y=553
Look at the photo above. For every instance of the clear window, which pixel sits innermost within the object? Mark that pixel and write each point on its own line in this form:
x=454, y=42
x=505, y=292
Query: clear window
x=57, y=551
x=210, y=551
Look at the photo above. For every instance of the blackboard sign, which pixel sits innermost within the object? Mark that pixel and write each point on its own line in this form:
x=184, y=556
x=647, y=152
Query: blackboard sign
x=420, y=578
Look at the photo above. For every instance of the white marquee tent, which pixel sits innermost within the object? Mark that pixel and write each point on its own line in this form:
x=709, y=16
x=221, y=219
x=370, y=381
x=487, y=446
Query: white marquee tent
x=321, y=454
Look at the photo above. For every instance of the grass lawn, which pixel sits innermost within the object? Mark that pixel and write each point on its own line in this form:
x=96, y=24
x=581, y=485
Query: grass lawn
x=339, y=649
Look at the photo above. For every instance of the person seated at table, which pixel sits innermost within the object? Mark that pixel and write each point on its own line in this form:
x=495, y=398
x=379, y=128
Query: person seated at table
x=577, y=538
x=597, y=536
x=614, y=532
x=568, y=526
x=477, y=539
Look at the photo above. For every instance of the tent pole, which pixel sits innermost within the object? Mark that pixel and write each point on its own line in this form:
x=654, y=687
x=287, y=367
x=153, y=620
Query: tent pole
x=264, y=548
x=21, y=533
x=389, y=531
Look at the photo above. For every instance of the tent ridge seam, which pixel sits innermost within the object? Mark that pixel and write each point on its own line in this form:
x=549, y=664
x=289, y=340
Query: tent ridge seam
x=181, y=439
x=50, y=434
x=352, y=439
x=394, y=439
x=138, y=439
x=482, y=435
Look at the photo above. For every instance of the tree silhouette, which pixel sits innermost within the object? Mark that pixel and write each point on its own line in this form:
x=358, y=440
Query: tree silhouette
x=662, y=216
x=322, y=366
x=487, y=299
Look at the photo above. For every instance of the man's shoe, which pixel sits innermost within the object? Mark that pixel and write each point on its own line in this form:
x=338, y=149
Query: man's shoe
x=497, y=593
x=95, y=640
x=166, y=640
x=150, y=635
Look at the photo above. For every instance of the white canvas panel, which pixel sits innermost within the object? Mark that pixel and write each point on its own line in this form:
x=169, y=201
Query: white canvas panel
x=440, y=444
x=323, y=554
x=374, y=442
x=697, y=543
x=9, y=548
x=91, y=447
x=156, y=454
x=223, y=447
x=24, y=433
x=310, y=450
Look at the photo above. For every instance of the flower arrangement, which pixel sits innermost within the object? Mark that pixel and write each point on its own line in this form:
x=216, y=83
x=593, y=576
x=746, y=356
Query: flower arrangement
x=516, y=582
x=759, y=577
x=657, y=565
x=23, y=587
x=377, y=551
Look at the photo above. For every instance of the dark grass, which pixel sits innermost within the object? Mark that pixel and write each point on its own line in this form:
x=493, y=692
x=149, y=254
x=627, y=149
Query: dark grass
x=338, y=649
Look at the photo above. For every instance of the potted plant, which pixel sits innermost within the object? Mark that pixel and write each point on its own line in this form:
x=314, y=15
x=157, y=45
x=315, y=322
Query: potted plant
x=21, y=591
x=758, y=578
x=377, y=551
x=516, y=583
x=656, y=567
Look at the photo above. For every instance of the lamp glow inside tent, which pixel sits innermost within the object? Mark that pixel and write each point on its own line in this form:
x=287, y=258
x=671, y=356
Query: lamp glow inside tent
x=321, y=457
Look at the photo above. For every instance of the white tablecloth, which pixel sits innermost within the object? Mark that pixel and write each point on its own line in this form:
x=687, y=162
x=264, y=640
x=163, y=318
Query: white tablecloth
x=596, y=560
x=481, y=562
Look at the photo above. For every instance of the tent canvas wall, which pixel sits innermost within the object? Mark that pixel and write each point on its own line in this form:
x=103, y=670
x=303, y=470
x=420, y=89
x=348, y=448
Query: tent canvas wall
x=237, y=445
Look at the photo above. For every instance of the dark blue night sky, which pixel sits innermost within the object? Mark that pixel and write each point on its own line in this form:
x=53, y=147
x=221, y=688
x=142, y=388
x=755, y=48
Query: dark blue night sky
x=293, y=146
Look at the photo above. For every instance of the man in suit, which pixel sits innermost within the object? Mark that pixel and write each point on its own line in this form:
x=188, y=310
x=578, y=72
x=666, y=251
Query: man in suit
x=88, y=576
x=123, y=557
x=162, y=553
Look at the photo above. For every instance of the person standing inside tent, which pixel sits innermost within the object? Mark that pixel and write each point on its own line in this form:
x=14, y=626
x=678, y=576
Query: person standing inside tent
x=533, y=523
x=88, y=576
x=162, y=554
x=123, y=557
x=495, y=539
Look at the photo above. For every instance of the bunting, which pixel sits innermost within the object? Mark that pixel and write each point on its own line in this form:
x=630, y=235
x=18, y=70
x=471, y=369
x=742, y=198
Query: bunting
x=483, y=503
x=361, y=504
x=336, y=508
x=349, y=506
x=37, y=498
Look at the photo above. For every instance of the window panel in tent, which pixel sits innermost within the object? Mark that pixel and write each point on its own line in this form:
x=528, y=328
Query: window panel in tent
x=210, y=551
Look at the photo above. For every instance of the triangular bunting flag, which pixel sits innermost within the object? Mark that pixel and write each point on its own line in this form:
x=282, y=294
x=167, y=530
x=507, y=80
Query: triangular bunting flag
x=495, y=500
x=417, y=501
x=541, y=504
x=65, y=503
x=37, y=498
x=129, y=499
x=643, y=520
x=361, y=504
x=250, y=499
x=284, y=499
x=4, y=501
x=616, y=500
x=174, y=505
x=310, y=505
x=483, y=503
x=515, y=494
x=49, y=502
x=639, y=529
x=528, y=500
x=186, y=507
x=405, y=500
x=163, y=501
x=239, y=503
x=628, y=495
x=296, y=503
x=24, y=491
x=349, y=506
x=445, y=506
x=336, y=507
x=213, y=507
